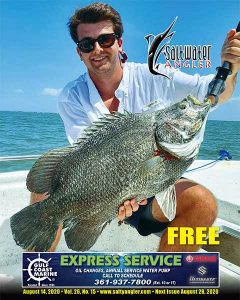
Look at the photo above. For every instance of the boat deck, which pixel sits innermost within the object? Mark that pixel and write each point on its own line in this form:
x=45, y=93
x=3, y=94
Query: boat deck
x=222, y=178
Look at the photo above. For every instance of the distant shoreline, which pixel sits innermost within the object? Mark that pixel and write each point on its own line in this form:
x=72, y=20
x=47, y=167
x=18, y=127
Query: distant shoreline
x=56, y=113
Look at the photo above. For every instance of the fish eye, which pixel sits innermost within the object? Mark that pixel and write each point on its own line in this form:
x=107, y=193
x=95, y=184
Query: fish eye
x=183, y=105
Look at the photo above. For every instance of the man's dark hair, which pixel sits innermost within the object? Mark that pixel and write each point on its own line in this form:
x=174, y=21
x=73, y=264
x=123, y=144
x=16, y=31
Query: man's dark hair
x=94, y=13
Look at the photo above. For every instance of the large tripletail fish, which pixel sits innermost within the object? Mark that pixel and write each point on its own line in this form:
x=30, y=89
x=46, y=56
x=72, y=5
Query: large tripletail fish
x=121, y=156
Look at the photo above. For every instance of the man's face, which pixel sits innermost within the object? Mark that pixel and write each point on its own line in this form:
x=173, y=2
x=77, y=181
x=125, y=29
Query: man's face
x=99, y=60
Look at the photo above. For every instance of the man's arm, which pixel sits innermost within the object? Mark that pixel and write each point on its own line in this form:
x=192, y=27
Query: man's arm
x=231, y=53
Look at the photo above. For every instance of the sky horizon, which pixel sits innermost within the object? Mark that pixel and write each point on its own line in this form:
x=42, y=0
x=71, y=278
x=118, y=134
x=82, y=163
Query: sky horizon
x=38, y=57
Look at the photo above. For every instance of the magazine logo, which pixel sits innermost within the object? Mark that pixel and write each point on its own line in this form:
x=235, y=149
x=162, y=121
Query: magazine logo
x=175, y=56
x=154, y=51
x=202, y=270
x=39, y=270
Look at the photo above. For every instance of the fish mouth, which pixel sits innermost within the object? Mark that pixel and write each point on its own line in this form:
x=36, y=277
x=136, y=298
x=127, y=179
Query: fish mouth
x=189, y=146
x=189, y=133
x=186, y=134
x=196, y=127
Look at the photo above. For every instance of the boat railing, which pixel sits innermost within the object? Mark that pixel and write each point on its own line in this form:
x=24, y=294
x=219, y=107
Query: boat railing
x=19, y=157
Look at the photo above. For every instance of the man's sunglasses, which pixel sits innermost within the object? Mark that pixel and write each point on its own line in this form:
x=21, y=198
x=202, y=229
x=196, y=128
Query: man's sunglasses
x=106, y=40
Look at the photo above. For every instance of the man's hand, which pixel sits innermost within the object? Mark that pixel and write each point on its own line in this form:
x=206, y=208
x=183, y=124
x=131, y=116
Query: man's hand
x=231, y=50
x=128, y=207
x=231, y=53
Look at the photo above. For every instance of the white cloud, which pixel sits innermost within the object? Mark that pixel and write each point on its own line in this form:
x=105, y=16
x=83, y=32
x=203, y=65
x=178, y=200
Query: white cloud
x=19, y=91
x=51, y=92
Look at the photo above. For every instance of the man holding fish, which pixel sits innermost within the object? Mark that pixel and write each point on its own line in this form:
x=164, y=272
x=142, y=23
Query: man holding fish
x=110, y=85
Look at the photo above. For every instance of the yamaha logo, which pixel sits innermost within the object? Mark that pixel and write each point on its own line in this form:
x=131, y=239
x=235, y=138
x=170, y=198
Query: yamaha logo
x=189, y=258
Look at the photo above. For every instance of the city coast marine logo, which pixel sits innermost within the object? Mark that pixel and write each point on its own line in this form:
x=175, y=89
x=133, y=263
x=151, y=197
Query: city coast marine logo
x=176, y=56
x=39, y=270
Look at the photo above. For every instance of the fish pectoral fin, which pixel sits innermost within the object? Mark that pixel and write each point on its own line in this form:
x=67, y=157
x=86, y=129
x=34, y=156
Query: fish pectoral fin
x=151, y=164
x=42, y=176
x=81, y=238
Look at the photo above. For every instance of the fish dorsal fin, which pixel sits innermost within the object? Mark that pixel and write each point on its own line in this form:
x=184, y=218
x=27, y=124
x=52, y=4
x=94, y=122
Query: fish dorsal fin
x=42, y=178
x=108, y=119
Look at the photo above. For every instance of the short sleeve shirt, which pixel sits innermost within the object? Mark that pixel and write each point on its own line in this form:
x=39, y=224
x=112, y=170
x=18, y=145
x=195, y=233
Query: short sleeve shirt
x=80, y=103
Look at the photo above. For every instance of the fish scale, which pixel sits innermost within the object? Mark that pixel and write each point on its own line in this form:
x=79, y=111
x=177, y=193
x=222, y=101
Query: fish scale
x=116, y=160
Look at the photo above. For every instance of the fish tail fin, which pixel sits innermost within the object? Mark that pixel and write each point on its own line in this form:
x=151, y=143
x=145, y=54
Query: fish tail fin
x=32, y=229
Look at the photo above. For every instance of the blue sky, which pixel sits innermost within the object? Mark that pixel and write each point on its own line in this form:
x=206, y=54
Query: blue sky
x=38, y=57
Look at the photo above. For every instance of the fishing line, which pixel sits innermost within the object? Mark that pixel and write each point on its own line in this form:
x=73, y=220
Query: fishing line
x=223, y=155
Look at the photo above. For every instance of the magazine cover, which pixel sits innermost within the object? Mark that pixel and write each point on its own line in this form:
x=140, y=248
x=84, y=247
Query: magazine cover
x=120, y=149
